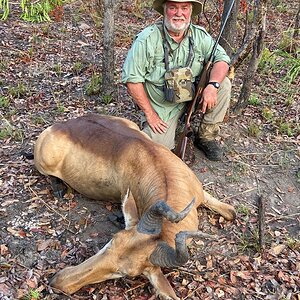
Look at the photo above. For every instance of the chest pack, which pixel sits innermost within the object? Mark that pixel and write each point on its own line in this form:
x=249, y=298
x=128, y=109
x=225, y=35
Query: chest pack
x=178, y=86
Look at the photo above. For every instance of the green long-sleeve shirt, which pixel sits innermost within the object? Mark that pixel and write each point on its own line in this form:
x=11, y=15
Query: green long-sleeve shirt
x=145, y=63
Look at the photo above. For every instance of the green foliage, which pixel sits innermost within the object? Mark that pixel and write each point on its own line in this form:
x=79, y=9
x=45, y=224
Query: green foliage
x=9, y=131
x=289, y=100
x=60, y=107
x=267, y=61
x=32, y=295
x=4, y=9
x=254, y=129
x=38, y=120
x=243, y=210
x=280, y=60
x=254, y=100
x=77, y=67
x=282, y=8
x=286, y=128
x=93, y=87
x=249, y=241
x=36, y=11
x=291, y=63
x=57, y=69
x=293, y=243
x=3, y=64
x=4, y=102
x=32, y=11
x=18, y=91
x=287, y=41
x=267, y=113
x=294, y=70
x=107, y=98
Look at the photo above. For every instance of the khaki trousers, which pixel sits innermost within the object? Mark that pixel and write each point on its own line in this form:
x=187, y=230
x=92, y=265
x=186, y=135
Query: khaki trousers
x=209, y=129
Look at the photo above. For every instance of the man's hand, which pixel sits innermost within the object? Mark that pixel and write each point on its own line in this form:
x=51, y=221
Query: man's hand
x=209, y=98
x=156, y=124
x=210, y=93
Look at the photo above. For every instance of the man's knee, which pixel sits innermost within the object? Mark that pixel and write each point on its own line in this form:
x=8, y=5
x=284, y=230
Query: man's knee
x=225, y=88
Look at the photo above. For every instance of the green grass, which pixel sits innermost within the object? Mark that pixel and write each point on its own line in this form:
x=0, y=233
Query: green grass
x=267, y=114
x=38, y=120
x=281, y=61
x=60, y=107
x=94, y=86
x=268, y=61
x=243, y=210
x=57, y=69
x=32, y=295
x=293, y=243
x=4, y=102
x=249, y=242
x=107, y=98
x=254, y=100
x=18, y=91
x=9, y=131
x=286, y=129
x=254, y=130
x=77, y=67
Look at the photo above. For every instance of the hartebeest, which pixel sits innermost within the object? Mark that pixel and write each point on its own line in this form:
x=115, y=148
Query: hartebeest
x=109, y=158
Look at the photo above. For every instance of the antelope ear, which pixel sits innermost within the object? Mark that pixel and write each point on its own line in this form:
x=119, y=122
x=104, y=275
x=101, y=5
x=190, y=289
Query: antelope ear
x=160, y=282
x=129, y=210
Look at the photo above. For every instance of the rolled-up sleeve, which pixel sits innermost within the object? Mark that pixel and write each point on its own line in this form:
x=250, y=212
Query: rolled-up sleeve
x=135, y=65
x=221, y=55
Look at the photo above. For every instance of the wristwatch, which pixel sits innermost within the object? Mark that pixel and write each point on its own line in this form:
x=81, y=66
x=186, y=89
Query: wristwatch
x=215, y=84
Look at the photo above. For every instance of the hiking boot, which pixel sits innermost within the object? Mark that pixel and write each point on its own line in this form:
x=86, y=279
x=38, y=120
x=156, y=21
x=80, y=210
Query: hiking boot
x=211, y=149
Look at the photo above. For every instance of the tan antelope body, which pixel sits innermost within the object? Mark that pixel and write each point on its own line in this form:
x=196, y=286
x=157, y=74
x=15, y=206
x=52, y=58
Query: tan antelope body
x=109, y=158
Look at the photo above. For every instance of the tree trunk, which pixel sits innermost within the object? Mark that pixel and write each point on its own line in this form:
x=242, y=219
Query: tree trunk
x=251, y=32
x=227, y=40
x=296, y=29
x=108, y=63
x=254, y=61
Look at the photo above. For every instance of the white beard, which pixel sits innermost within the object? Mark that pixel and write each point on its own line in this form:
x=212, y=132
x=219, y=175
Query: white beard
x=177, y=28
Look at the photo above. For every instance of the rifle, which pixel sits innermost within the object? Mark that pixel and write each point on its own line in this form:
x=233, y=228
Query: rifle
x=195, y=103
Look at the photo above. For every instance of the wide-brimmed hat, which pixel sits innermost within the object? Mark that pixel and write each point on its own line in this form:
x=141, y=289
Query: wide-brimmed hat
x=197, y=5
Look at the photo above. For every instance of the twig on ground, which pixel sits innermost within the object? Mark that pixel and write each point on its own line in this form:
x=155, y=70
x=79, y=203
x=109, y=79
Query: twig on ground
x=276, y=210
x=276, y=218
x=261, y=203
x=238, y=194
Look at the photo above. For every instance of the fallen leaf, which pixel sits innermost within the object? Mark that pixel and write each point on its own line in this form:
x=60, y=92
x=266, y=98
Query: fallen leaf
x=209, y=262
x=233, y=277
x=3, y=250
x=278, y=249
x=243, y=274
x=8, y=202
x=42, y=245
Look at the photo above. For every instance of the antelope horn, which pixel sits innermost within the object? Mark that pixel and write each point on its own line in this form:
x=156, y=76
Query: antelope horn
x=151, y=221
x=166, y=256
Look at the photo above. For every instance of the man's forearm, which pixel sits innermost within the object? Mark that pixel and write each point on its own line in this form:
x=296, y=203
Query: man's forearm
x=209, y=95
x=219, y=71
x=138, y=93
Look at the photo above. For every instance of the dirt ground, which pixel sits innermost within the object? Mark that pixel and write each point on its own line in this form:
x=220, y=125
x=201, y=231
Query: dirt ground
x=45, y=71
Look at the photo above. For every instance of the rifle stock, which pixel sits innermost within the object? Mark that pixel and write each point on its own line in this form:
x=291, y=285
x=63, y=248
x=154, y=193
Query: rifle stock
x=193, y=105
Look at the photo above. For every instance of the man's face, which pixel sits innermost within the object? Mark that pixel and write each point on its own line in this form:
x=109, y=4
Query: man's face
x=177, y=15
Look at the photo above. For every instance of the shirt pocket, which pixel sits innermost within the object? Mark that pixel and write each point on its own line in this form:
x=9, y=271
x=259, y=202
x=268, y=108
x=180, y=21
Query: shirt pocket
x=156, y=70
